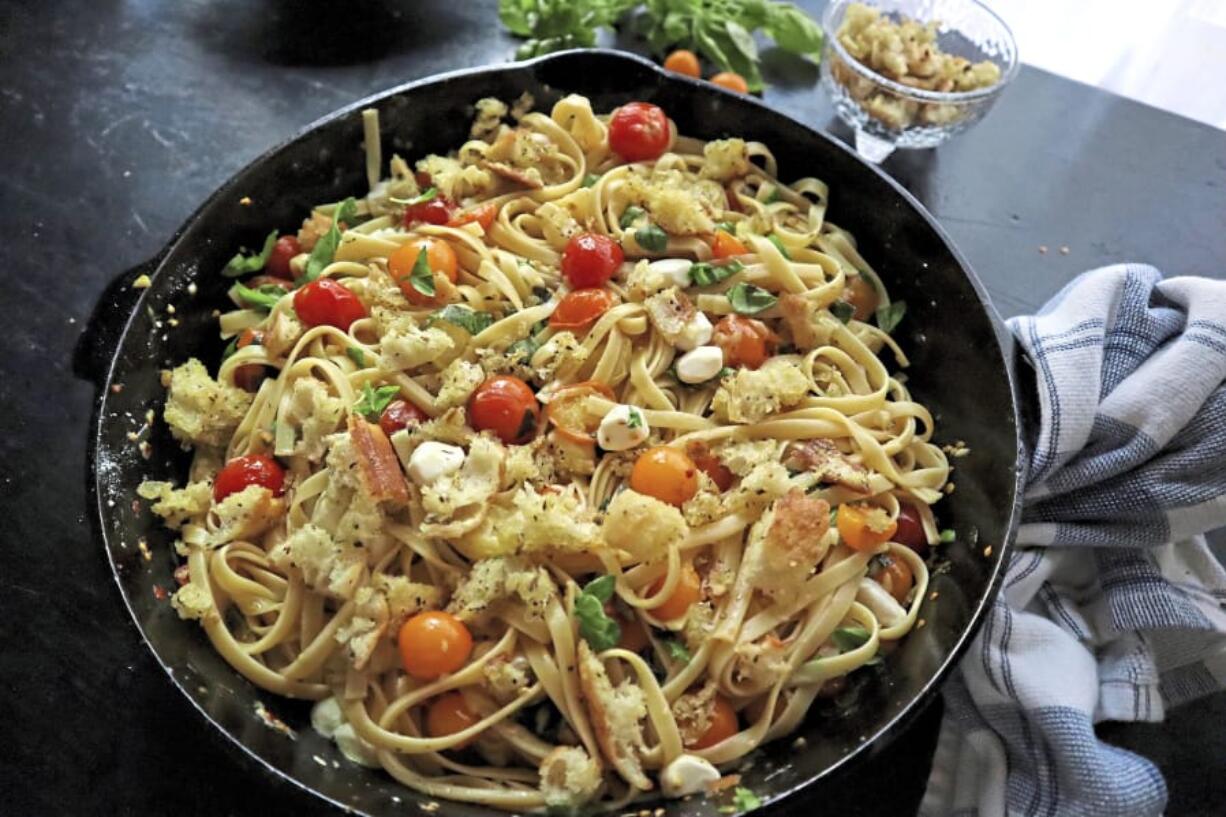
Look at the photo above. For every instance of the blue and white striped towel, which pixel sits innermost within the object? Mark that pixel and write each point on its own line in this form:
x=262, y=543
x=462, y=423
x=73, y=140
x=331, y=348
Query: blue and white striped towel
x=1113, y=608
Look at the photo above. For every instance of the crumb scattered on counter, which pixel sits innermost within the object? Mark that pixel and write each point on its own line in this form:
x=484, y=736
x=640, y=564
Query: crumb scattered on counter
x=987, y=551
x=1064, y=250
x=143, y=547
x=1043, y=249
x=192, y=289
x=142, y=282
x=245, y=201
x=116, y=388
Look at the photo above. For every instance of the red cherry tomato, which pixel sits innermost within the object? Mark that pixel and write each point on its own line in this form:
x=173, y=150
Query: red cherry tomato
x=437, y=210
x=910, y=529
x=711, y=465
x=253, y=469
x=591, y=259
x=638, y=131
x=581, y=308
x=287, y=247
x=745, y=341
x=400, y=414
x=483, y=214
x=506, y=406
x=248, y=377
x=327, y=303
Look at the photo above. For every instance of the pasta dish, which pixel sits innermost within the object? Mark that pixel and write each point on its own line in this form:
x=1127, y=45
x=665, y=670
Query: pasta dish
x=559, y=469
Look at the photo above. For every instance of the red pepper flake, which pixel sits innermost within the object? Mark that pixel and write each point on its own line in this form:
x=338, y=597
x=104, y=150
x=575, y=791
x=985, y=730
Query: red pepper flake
x=159, y=592
x=116, y=388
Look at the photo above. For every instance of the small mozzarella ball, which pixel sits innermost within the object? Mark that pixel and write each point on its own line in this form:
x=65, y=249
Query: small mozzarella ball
x=622, y=428
x=326, y=717
x=688, y=774
x=354, y=748
x=676, y=270
x=700, y=365
x=432, y=460
x=696, y=332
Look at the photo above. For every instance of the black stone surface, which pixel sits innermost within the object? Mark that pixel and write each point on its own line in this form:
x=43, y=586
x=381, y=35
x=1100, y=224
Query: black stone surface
x=118, y=118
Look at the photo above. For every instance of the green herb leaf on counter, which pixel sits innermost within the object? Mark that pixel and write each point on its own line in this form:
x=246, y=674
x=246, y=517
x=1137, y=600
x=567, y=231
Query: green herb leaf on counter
x=372, y=401
x=325, y=248
x=677, y=651
x=779, y=245
x=246, y=264
x=651, y=238
x=748, y=299
x=264, y=297
x=599, y=630
x=357, y=356
x=422, y=277
x=849, y=638
x=842, y=310
x=889, y=316
x=470, y=320
x=629, y=216
x=704, y=273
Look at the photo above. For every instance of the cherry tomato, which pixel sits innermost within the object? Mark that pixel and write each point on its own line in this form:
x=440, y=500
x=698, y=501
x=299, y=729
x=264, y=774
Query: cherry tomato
x=744, y=341
x=864, y=527
x=580, y=309
x=896, y=576
x=448, y=714
x=439, y=257
x=730, y=80
x=633, y=633
x=639, y=131
x=249, y=377
x=433, y=644
x=711, y=465
x=566, y=410
x=506, y=406
x=722, y=725
x=862, y=295
x=253, y=469
x=665, y=473
x=326, y=303
x=683, y=62
x=400, y=414
x=910, y=529
x=483, y=214
x=726, y=245
x=591, y=259
x=684, y=595
x=437, y=210
x=287, y=247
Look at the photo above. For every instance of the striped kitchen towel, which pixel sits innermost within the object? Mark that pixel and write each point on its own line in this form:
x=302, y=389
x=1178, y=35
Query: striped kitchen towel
x=1113, y=607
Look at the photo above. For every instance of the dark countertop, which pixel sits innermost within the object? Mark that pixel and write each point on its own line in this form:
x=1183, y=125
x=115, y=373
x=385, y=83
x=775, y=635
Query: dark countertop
x=120, y=118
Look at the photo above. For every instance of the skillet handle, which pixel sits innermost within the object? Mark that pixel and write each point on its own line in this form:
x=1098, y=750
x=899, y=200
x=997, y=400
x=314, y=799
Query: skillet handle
x=91, y=359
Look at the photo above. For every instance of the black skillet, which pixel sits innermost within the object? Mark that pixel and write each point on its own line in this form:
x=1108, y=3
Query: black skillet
x=957, y=347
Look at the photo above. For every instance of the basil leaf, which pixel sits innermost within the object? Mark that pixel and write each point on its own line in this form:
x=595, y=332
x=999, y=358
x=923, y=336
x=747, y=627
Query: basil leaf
x=651, y=238
x=230, y=349
x=245, y=264
x=634, y=418
x=748, y=299
x=357, y=356
x=523, y=349
x=629, y=216
x=849, y=638
x=602, y=588
x=793, y=30
x=677, y=651
x=265, y=297
x=742, y=39
x=595, y=626
x=889, y=316
x=745, y=800
x=422, y=277
x=470, y=320
x=947, y=535
x=704, y=273
x=325, y=248
x=429, y=194
x=842, y=310
x=372, y=401
x=590, y=180
x=779, y=245
x=727, y=226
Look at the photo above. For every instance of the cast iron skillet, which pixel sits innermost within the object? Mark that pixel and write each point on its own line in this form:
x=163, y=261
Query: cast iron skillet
x=957, y=349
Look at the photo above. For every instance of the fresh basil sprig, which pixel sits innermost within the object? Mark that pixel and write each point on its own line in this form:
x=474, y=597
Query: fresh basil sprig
x=748, y=299
x=246, y=264
x=849, y=638
x=264, y=297
x=651, y=238
x=889, y=316
x=325, y=248
x=597, y=628
x=422, y=277
x=372, y=401
x=470, y=320
x=704, y=273
x=842, y=310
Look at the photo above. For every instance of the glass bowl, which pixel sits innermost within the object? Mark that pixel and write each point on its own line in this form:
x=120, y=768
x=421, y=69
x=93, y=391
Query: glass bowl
x=887, y=114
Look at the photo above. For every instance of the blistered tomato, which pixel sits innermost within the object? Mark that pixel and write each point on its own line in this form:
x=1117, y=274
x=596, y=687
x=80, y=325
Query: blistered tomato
x=253, y=469
x=590, y=259
x=506, y=406
x=638, y=131
x=327, y=303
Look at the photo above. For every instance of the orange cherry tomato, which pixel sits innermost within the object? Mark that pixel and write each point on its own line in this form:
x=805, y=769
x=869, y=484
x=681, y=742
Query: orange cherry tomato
x=684, y=595
x=242, y=472
x=249, y=377
x=483, y=214
x=665, y=473
x=744, y=341
x=726, y=245
x=566, y=411
x=730, y=80
x=439, y=257
x=434, y=643
x=862, y=295
x=723, y=724
x=448, y=714
x=711, y=465
x=580, y=308
x=506, y=406
x=864, y=527
x=683, y=62
x=895, y=575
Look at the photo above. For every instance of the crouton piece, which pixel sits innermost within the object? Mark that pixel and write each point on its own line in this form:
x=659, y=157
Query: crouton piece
x=488, y=120
x=507, y=677
x=406, y=597
x=360, y=635
x=326, y=566
x=191, y=601
x=178, y=505
x=199, y=410
x=693, y=712
x=569, y=778
x=454, y=180
x=493, y=582
x=534, y=522
x=643, y=526
x=799, y=314
x=791, y=532
x=678, y=204
x=407, y=346
x=670, y=311
x=558, y=225
x=246, y=514
x=560, y=352
x=460, y=379
x=377, y=465
x=313, y=228
x=479, y=478
x=616, y=714
x=316, y=412
x=743, y=457
x=751, y=396
x=726, y=159
x=830, y=464
x=283, y=332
